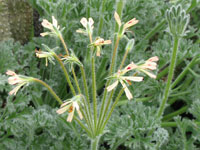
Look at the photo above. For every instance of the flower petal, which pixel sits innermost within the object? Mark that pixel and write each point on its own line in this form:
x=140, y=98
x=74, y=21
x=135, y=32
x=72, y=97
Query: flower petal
x=55, y=23
x=84, y=22
x=117, y=18
x=44, y=33
x=81, y=31
x=112, y=86
x=130, y=23
x=70, y=116
x=14, y=80
x=62, y=110
x=91, y=21
x=136, y=79
x=65, y=103
x=149, y=74
x=10, y=73
x=127, y=92
x=107, y=42
x=47, y=24
x=155, y=58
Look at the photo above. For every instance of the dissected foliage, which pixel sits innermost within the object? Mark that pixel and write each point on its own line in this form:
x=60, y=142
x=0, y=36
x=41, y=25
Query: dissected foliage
x=29, y=120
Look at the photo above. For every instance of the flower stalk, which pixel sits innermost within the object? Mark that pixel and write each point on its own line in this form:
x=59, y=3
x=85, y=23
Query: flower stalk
x=49, y=88
x=170, y=77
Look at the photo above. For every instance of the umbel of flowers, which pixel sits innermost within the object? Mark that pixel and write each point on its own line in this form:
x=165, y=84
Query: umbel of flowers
x=93, y=119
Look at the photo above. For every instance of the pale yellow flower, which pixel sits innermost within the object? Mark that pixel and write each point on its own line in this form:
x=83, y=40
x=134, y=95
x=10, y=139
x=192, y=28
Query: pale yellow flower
x=98, y=43
x=71, y=106
x=53, y=27
x=149, y=65
x=119, y=76
x=126, y=25
x=88, y=25
x=18, y=80
x=46, y=55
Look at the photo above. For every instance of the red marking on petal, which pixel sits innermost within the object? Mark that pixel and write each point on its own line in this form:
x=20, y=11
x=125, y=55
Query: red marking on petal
x=130, y=22
x=128, y=68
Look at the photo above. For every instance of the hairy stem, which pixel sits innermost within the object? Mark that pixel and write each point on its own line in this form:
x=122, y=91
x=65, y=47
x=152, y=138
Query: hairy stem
x=76, y=81
x=94, y=92
x=103, y=115
x=64, y=44
x=95, y=143
x=50, y=90
x=66, y=74
x=112, y=109
x=183, y=73
x=176, y=113
x=170, y=76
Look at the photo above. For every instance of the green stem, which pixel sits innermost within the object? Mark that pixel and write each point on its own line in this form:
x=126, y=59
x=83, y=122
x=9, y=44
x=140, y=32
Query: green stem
x=123, y=60
x=66, y=74
x=76, y=81
x=184, y=72
x=87, y=103
x=64, y=44
x=86, y=88
x=113, y=61
x=112, y=109
x=170, y=76
x=178, y=112
x=103, y=7
x=103, y=114
x=166, y=70
x=95, y=143
x=94, y=92
x=179, y=94
x=83, y=126
x=108, y=82
x=119, y=9
x=50, y=89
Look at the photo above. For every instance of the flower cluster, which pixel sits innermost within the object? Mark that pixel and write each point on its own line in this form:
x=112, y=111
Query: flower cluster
x=18, y=80
x=53, y=27
x=98, y=43
x=88, y=24
x=119, y=76
x=124, y=27
x=70, y=106
x=149, y=64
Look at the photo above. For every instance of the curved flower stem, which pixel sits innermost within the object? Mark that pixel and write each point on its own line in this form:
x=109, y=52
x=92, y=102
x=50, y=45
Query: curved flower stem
x=170, y=76
x=94, y=92
x=112, y=109
x=76, y=81
x=50, y=90
x=66, y=74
